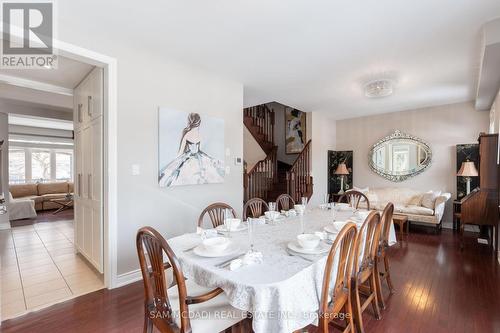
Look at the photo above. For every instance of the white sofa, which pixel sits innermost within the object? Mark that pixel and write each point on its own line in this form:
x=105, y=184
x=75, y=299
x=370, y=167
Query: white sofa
x=409, y=202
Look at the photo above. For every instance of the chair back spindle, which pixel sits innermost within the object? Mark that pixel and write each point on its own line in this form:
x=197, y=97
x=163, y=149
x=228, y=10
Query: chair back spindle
x=285, y=202
x=216, y=214
x=354, y=198
x=257, y=208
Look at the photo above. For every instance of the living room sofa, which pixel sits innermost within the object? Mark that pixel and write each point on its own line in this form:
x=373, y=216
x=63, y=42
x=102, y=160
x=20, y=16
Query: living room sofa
x=409, y=202
x=42, y=193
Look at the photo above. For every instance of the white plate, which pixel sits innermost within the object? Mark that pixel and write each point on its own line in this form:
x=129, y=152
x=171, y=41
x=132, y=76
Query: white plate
x=321, y=248
x=241, y=227
x=201, y=251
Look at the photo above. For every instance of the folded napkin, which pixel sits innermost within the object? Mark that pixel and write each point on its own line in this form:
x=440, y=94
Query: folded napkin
x=289, y=213
x=249, y=258
x=206, y=233
x=360, y=216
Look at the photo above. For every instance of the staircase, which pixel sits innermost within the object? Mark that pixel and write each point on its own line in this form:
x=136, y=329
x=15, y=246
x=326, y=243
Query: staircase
x=259, y=121
x=270, y=178
x=280, y=186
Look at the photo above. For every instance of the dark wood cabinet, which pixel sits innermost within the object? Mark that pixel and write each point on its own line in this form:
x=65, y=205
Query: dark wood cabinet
x=481, y=206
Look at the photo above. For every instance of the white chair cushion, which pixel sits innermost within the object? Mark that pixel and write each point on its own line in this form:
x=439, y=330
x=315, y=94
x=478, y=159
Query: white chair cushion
x=211, y=316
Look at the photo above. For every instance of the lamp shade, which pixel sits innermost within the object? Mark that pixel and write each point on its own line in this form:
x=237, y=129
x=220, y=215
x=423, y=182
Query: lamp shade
x=468, y=169
x=342, y=169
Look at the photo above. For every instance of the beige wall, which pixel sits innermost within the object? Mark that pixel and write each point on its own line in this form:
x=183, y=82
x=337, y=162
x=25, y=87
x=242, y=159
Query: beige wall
x=321, y=130
x=252, y=152
x=442, y=127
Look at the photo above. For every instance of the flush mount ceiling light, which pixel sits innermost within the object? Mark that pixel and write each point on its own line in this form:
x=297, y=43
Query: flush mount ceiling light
x=379, y=88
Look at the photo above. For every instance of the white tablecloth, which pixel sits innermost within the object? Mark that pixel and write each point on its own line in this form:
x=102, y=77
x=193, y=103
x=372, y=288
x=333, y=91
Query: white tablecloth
x=282, y=293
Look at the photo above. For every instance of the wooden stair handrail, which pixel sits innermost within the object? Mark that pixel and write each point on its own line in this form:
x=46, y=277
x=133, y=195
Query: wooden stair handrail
x=259, y=120
x=299, y=180
x=259, y=181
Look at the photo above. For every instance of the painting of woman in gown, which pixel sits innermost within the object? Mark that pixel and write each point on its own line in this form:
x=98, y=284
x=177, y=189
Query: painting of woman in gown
x=295, y=131
x=191, y=164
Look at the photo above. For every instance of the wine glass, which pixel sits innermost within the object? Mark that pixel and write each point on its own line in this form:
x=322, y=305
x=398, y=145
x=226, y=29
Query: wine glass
x=326, y=198
x=252, y=223
x=333, y=208
x=272, y=206
x=228, y=215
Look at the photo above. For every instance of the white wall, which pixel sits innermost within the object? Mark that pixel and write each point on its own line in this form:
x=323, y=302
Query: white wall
x=443, y=127
x=4, y=181
x=252, y=151
x=146, y=81
x=321, y=130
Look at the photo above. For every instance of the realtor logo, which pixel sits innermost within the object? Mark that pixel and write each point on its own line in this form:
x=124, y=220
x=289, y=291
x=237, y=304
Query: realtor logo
x=28, y=30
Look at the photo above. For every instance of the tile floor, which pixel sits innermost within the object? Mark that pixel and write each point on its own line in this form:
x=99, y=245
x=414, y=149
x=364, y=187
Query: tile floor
x=39, y=267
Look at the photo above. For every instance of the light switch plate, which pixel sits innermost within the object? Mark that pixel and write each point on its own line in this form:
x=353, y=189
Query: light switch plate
x=136, y=169
x=228, y=170
x=238, y=161
x=228, y=152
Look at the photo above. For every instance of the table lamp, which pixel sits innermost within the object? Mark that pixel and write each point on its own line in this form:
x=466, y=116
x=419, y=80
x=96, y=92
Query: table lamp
x=468, y=170
x=342, y=171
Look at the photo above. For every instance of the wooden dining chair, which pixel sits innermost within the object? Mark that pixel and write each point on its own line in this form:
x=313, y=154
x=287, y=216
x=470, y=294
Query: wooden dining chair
x=364, y=277
x=171, y=309
x=257, y=208
x=354, y=198
x=386, y=221
x=336, y=299
x=216, y=213
x=284, y=202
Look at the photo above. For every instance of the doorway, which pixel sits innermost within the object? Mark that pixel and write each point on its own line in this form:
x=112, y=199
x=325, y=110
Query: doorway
x=52, y=228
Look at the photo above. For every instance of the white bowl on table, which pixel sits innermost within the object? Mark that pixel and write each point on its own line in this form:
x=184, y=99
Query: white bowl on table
x=272, y=215
x=232, y=224
x=308, y=241
x=299, y=209
x=335, y=227
x=216, y=244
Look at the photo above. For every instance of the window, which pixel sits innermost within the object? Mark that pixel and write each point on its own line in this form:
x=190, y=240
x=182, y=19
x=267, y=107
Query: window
x=64, y=162
x=17, y=166
x=39, y=165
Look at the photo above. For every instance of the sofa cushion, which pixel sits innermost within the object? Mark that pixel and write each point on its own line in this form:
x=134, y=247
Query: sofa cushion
x=51, y=188
x=417, y=210
x=429, y=199
x=35, y=198
x=23, y=190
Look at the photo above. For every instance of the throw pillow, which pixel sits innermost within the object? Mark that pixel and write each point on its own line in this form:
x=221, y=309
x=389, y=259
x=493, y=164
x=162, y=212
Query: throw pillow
x=429, y=199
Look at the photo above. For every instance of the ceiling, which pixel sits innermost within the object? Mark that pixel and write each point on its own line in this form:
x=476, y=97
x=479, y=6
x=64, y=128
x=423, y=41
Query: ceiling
x=67, y=74
x=44, y=88
x=313, y=55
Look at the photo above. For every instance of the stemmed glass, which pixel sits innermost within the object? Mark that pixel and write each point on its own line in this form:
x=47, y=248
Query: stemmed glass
x=326, y=198
x=252, y=223
x=272, y=206
x=228, y=215
x=303, y=200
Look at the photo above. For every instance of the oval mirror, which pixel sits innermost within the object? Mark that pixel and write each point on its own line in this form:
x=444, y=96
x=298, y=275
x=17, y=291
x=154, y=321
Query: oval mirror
x=400, y=156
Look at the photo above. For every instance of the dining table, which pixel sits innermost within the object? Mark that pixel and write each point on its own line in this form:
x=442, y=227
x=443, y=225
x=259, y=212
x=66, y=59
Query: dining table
x=283, y=292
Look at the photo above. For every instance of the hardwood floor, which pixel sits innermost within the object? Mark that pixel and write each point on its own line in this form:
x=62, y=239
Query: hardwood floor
x=45, y=216
x=438, y=289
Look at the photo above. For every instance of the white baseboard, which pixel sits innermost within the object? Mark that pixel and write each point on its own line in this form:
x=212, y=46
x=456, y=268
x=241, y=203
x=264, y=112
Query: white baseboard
x=128, y=278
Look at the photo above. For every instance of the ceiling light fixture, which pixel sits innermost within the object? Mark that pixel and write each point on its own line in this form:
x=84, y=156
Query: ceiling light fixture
x=379, y=88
